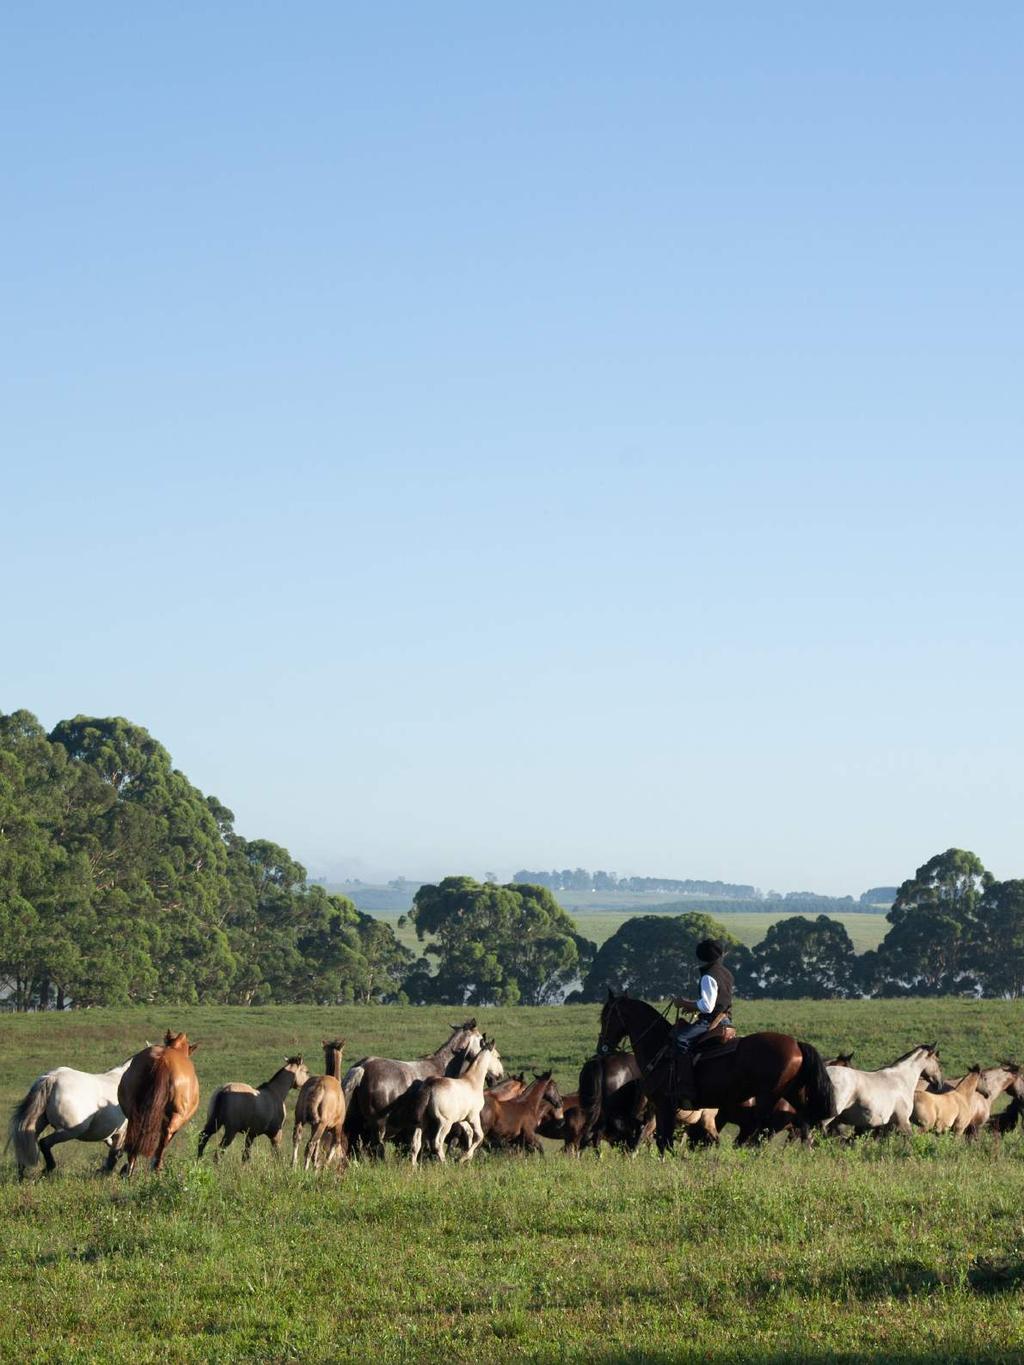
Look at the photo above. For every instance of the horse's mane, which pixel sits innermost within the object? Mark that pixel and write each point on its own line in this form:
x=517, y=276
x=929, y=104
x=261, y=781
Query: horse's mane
x=910, y=1054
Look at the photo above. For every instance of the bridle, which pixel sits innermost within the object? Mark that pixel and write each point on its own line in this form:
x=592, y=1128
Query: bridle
x=605, y=1049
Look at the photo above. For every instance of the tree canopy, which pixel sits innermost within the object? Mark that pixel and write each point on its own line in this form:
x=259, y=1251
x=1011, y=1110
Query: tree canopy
x=120, y=882
x=655, y=956
x=493, y=944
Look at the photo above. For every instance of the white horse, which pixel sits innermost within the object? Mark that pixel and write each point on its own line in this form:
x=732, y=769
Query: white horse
x=448, y=1100
x=75, y=1104
x=884, y=1098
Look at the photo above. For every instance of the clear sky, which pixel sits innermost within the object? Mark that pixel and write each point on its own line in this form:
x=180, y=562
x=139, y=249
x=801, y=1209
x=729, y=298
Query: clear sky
x=477, y=436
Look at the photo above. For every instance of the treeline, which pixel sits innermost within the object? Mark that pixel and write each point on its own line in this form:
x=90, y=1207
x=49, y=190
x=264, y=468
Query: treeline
x=753, y=900
x=120, y=882
x=954, y=930
x=579, y=879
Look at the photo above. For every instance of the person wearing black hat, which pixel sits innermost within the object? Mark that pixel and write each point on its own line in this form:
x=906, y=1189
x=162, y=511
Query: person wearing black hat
x=714, y=997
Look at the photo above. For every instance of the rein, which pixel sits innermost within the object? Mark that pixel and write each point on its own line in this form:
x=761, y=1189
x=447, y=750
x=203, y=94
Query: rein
x=662, y=1014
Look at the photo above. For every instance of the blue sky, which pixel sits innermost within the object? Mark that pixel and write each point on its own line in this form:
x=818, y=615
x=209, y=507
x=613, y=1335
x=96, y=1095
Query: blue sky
x=560, y=435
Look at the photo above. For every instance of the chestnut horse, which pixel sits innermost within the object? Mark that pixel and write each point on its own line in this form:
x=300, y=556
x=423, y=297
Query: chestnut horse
x=513, y=1123
x=766, y=1067
x=158, y=1094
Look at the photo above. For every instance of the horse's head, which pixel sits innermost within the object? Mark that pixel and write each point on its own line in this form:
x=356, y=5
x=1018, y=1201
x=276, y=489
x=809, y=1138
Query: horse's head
x=178, y=1042
x=494, y=1064
x=466, y=1038
x=844, y=1059
x=333, y=1047
x=613, y=1024
x=1016, y=1086
x=299, y=1070
x=931, y=1071
x=551, y=1095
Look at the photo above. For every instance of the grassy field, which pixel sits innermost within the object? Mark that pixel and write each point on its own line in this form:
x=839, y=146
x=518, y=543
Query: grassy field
x=866, y=931
x=905, y=1249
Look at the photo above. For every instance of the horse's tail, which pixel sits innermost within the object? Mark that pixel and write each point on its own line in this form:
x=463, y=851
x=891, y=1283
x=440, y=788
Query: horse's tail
x=816, y=1084
x=420, y=1104
x=591, y=1098
x=213, y=1112
x=350, y=1084
x=21, y=1130
x=149, y=1111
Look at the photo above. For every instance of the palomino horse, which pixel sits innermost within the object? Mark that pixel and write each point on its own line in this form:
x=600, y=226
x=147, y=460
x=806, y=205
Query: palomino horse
x=514, y=1122
x=238, y=1108
x=1007, y=1078
x=375, y=1084
x=882, y=1099
x=942, y=1110
x=159, y=1093
x=76, y=1105
x=445, y=1101
x=321, y=1105
x=765, y=1066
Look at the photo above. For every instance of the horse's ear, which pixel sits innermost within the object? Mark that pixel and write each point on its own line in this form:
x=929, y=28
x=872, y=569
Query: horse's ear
x=341, y=1043
x=193, y=1047
x=472, y=1023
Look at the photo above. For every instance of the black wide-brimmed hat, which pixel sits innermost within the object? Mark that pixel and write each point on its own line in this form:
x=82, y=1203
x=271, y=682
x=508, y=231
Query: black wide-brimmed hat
x=710, y=949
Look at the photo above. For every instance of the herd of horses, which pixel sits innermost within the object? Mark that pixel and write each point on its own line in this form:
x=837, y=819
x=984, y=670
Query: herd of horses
x=458, y=1098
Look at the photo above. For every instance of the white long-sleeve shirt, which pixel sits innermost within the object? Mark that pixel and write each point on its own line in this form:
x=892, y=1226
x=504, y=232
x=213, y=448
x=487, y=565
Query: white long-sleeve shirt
x=708, y=995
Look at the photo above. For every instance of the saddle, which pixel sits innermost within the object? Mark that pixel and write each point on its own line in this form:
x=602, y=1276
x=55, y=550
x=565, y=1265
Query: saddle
x=720, y=1039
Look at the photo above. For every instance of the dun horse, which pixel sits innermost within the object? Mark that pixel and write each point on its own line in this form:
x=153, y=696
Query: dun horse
x=158, y=1093
x=321, y=1106
x=939, y=1112
x=76, y=1105
x=238, y=1108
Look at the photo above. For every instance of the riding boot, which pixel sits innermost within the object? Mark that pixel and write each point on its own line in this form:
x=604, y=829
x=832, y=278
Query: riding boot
x=684, y=1091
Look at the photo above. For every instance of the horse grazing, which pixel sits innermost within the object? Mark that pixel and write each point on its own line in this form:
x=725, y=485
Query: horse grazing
x=513, y=1123
x=76, y=1105
x=940, y=1111
x=321, y=1106
x=238, y=1108
x=375, y=1084
x=444, y=1101
x=159, y=1093
x=765, y=1066
x=883, y=1099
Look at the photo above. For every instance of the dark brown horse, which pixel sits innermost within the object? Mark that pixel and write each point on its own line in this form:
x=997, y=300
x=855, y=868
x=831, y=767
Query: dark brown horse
x=765, y=1067
x=158, y=1094
x=613, y=1101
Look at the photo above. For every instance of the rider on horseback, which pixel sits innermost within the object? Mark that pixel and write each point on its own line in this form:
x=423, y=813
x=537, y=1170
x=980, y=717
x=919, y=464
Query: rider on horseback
x=713, y=1005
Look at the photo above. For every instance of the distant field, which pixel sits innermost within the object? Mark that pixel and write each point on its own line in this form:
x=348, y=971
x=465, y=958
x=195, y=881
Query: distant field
x=866, y=931
x=894, y=1250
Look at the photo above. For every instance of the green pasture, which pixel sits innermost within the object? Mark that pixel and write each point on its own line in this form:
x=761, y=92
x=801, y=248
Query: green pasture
x=750, y=927
x=901, y=1249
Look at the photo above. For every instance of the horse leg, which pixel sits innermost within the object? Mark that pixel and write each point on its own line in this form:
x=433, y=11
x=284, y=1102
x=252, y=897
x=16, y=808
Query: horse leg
x=170, y=1127
x=296, y=1138
x=478, y=1137
x=313, y=1146
x=204, y=1138
x=416, y=1144
x=443, y=1129
x=665, y=1124
x=229, y=1136
x=275, y=1142
x=48, y=1142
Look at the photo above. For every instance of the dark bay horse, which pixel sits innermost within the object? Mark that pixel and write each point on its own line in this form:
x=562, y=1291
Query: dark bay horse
x=612, y=1100
x=158, y=1094
x=765, y=1067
